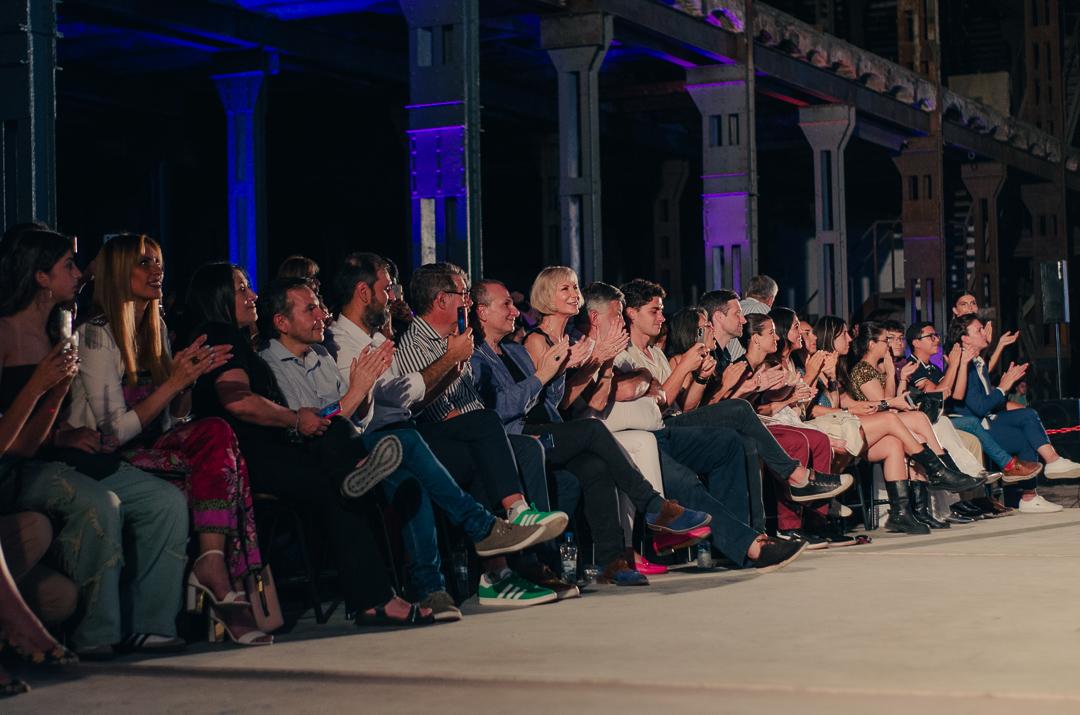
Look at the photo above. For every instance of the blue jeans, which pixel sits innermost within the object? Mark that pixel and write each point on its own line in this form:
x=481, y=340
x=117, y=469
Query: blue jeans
x=420, y=480
x=717, y=453
x=991, y=447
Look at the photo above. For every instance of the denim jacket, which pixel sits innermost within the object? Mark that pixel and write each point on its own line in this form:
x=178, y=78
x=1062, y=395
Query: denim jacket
x=513, y=400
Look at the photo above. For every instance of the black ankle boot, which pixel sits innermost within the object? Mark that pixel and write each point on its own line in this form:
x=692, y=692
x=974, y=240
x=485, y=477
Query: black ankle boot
x=920, y=506
x=942, y=476
x=900, y=516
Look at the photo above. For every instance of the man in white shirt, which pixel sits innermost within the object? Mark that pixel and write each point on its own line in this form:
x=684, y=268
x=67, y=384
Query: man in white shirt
x=425, y=381
x=644, y=309
x=686, y=451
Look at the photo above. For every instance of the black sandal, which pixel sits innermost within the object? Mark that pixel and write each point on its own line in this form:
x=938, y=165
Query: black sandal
x=59, y=655
x=382, y=618
x=14, y=686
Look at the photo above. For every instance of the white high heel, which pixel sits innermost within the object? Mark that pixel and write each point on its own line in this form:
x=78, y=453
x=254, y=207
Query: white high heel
x=219, y=630
x=197, y=592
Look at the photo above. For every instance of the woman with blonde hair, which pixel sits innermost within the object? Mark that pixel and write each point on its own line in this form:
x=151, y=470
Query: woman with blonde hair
x=137, y=394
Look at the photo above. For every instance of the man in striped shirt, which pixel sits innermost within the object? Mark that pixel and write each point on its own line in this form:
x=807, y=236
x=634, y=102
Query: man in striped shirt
x=465, y=436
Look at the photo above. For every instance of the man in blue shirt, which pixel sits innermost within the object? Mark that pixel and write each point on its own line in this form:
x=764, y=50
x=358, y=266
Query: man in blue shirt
x=293, y=317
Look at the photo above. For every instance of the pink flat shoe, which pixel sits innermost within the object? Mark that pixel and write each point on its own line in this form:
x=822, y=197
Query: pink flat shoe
x=644, y=566
x=665, y=544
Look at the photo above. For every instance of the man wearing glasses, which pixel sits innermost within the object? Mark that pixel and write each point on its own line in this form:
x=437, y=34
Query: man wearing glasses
x=925, y=341
x=902, y=366
x=507, y=470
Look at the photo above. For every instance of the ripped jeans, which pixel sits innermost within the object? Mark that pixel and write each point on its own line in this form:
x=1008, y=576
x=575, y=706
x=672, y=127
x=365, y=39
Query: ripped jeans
x=122, y=540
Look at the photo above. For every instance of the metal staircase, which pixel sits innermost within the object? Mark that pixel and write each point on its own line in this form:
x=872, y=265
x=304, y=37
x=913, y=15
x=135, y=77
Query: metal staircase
x=878, y=280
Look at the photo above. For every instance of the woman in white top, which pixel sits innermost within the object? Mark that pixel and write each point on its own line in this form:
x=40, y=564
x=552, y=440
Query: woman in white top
x=137, y=395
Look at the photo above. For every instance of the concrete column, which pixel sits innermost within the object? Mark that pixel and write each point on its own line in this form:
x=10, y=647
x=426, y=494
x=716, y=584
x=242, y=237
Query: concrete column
x=577, y=45
x=444, y=132
x=246, y=121
x=983, y=182
x=828, y=127
x=922, y=214
x=729, y=195
x=27, y=112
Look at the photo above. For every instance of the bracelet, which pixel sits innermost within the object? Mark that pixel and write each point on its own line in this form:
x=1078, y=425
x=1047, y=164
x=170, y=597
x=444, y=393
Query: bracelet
x=698, y=379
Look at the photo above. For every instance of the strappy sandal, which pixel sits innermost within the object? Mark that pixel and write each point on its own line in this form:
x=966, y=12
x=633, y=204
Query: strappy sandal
x=219, y=630
x=197, y=592
x=58, y=655
x=13, y=686
x=382, y=618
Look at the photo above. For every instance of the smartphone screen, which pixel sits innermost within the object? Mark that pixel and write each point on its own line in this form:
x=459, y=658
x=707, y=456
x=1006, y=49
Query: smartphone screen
x=461, y=319
x=330, y=410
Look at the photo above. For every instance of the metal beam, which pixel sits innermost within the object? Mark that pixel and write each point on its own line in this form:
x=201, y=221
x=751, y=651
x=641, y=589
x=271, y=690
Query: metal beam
x=834, y=89
x=659, y=21
x=248, y=30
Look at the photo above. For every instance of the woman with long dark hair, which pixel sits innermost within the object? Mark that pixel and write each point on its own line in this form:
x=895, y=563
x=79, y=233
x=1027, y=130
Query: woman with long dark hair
x=134, y=390
x=781, y=409
x=888, y=439
x=222, y=305
x=118, y=515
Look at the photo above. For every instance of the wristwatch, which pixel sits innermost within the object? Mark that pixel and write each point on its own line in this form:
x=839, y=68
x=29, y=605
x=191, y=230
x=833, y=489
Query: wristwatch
x=883, y=406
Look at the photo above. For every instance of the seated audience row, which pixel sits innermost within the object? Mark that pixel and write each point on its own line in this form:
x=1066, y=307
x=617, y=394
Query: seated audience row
x=127, y=444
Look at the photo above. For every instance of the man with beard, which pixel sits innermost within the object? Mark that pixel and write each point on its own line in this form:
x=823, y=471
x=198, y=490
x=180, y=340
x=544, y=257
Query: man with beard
x=472, y=444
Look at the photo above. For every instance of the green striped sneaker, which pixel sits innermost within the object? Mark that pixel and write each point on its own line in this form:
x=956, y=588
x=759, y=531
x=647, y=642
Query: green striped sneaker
x=512, y=592
x=553, y=521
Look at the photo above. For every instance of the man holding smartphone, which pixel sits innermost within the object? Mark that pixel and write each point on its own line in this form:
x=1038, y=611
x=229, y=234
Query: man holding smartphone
x=424, y=390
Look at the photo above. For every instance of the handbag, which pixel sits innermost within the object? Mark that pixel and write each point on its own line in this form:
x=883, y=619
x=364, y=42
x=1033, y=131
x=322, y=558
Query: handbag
x=96, y=466
x=262, y=592
x=929, y=403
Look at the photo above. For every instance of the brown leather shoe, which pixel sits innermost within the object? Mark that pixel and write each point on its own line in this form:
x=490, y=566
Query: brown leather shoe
x=1020, y=470
x=541, y=575
x=992, y=506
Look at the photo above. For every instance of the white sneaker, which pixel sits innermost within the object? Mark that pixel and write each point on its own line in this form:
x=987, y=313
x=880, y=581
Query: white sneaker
x=1062, y=469
x=1038, y=505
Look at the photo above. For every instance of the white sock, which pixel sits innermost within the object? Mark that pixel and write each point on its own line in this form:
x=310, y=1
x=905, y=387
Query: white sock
x=516, y=508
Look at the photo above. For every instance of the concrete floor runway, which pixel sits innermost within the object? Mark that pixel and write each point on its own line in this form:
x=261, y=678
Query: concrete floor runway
x=983, y=618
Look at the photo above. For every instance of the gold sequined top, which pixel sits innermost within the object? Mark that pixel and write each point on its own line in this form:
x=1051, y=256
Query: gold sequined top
x=862, y=373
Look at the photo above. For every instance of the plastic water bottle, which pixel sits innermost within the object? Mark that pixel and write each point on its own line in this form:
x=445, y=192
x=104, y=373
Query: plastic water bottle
x=568, y=554
x=460, y=559
x=704, y=555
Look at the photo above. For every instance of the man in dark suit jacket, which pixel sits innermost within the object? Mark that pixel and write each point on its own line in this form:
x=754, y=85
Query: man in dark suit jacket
x=1019, y=431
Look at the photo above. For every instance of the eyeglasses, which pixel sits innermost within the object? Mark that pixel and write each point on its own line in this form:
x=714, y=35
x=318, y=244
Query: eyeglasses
x=463, y=294
x=930, y=336
x=894, y=339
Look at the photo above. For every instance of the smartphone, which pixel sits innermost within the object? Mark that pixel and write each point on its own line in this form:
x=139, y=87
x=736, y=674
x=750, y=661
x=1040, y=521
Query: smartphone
x=911, y=402
x=67, y=330
x=699, y=336
x=331, y=410
x=461, y=325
